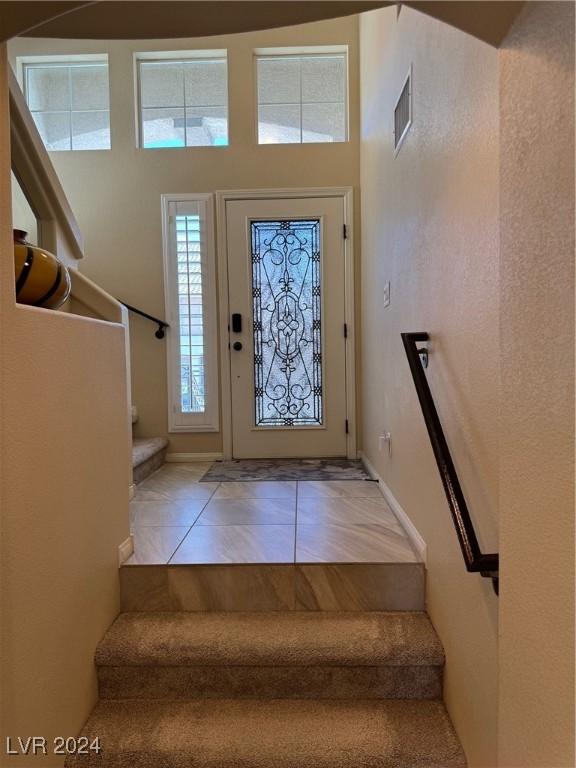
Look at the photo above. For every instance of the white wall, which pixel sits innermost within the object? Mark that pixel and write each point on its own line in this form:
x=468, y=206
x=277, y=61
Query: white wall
x=536, y=687
x=493, y=282
x=63, y=496
x=116, y=195
x=23, y=217
x=430, y=227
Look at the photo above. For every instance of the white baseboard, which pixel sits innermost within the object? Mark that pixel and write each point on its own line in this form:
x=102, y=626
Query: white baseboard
x=410, y=529
x=125, y=550
x=368, y=466
x=188, y=457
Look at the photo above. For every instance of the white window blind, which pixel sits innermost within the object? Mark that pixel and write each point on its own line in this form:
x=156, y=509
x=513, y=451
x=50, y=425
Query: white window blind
x=302, y=98
x=191, y=312
x=69, y=101
x=183, y=103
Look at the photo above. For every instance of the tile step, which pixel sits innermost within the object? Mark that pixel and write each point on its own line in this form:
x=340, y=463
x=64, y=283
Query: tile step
x=282, y=587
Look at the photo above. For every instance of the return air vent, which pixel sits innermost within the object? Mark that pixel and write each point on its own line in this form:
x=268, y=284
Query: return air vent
x=403, y=112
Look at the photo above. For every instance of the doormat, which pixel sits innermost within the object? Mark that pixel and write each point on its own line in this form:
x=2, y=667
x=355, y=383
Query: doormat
x=243, y=470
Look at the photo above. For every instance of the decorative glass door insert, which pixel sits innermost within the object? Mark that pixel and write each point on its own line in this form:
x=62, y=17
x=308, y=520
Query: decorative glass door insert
x=287, y=323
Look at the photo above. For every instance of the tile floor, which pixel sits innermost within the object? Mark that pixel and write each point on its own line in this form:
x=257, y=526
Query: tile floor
x=176, y=519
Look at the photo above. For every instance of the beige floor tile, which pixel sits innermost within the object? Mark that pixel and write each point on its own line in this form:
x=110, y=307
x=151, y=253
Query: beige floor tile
x=346, y=510
x=166, y=512
x=256, y=490
x=227, y=587
x=177, y=486
x=336, y=488
x=192, y=470
x=142, y=494
x=249, y=512
x=155, y=546
x=353, y=587
x=351, y=543
x=237, y=544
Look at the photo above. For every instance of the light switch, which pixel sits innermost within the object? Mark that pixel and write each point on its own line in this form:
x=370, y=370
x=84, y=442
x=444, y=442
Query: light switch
x=387, y=293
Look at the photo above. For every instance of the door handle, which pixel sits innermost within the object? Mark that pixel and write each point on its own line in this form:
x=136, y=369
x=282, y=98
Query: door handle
x=236, y=322
x=237, y=346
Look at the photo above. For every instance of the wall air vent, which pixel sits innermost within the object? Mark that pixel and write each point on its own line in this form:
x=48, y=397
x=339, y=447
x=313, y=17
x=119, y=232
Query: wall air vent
x=403, y=113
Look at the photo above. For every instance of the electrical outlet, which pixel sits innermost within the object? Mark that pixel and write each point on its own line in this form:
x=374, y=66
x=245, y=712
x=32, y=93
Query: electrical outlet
x=385, y=443
x=386, y=296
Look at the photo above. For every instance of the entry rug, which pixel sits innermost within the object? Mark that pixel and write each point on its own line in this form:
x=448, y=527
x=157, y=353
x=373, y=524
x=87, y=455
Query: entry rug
x=243, y=470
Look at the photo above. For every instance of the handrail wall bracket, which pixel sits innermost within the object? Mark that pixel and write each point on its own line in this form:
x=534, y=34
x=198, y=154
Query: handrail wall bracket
x=424, y=356
x=486, y=565
x=160, y=332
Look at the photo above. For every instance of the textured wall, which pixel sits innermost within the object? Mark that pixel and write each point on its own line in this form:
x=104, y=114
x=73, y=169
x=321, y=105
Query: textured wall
x=23, y=216
x=116, y=195
x=64, y=499
x=430, y=227
x=537, y=443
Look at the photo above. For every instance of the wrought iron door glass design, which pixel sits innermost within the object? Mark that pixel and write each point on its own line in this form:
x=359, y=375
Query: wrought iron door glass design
x=287, y=325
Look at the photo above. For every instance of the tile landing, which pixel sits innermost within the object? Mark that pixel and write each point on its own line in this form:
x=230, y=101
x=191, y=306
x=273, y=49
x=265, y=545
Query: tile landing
x=176, y=520
x=280, y=545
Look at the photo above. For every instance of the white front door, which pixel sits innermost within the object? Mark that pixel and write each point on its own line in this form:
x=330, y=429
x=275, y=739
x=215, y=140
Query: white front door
x=286, y=282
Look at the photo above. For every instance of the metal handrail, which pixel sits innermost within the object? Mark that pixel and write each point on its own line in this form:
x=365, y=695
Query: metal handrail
x=474, y=559
x=160, y=323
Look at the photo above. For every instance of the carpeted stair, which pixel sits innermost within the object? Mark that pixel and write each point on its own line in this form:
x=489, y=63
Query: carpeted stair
x=148, y=455
x=271, y=690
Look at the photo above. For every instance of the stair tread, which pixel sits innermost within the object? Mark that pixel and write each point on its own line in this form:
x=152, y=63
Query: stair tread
x=271, y=639
x=143, y=448
x=271, y=734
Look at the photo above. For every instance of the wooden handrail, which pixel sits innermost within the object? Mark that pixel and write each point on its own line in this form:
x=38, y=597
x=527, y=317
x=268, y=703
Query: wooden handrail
x=38, y=179
x=95, y=299
x=475, y=560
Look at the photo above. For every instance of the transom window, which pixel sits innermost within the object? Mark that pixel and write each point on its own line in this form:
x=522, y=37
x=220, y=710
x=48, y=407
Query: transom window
x=69, y=101
x=302, y=98
x=191, y=310
x=183, y=102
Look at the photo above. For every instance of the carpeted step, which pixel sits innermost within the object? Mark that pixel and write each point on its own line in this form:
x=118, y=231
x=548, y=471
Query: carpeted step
x=148, y=455
x=270, y=655
x=271, y=734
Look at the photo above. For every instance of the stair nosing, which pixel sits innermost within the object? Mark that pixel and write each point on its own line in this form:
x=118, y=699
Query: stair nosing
x=122, y=645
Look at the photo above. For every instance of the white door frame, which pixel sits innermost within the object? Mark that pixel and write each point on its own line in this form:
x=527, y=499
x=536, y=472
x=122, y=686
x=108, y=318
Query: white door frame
x=222, y=197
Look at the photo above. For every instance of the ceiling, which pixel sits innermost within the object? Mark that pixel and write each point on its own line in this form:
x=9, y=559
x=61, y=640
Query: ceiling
x=153, y=19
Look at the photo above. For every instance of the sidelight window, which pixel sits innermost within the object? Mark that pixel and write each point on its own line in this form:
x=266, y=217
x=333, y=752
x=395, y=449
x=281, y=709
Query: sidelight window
x=191, y=312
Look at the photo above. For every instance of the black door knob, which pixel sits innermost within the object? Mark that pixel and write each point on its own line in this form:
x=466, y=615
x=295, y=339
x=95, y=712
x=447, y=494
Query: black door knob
x=237, y=346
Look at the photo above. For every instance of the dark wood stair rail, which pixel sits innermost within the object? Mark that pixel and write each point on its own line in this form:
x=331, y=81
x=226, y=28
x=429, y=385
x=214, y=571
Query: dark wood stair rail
x=474, y=559
x=160, y=323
